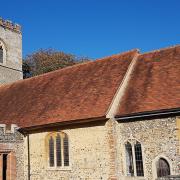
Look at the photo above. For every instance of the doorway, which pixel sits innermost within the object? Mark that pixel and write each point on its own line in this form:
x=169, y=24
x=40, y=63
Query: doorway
x=4, y=167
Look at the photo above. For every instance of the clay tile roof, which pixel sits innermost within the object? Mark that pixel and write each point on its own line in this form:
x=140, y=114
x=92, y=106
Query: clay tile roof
x=155, y=83
x=78, y=92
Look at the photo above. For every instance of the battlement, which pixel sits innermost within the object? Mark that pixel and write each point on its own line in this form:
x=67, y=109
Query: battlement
x=4, y=129
x=10, y=134
x=9, y=25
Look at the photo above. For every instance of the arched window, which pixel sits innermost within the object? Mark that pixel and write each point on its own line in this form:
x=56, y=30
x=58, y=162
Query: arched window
x=134, y=160
x=58, y=148
x=163, y=168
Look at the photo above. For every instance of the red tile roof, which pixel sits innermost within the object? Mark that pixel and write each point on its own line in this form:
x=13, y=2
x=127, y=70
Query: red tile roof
x=155, y=83
x=78, y=92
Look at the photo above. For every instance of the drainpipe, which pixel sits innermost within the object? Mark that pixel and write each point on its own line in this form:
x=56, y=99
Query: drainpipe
x=29, y=167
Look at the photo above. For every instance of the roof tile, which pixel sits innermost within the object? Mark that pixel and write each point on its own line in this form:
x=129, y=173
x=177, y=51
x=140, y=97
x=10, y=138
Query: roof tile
x=78, y=92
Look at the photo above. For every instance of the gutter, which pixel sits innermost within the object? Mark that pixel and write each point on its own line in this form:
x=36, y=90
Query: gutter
x=148, y=114
x=32, y=129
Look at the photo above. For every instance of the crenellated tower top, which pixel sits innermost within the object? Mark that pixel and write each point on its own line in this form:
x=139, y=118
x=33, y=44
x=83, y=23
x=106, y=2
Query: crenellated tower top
x=10, y=25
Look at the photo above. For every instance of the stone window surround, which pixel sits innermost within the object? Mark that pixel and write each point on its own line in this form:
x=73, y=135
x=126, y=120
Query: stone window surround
x=3, y=46
x=55, y=168
x=154, y=169
x=133, y=141
x=10, y=152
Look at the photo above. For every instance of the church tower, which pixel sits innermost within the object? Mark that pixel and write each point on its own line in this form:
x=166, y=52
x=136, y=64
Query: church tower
x=10, y=52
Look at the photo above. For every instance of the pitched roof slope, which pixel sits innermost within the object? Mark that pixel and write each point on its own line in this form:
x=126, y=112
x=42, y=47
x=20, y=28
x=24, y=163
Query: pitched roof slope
x=155, y=83
x=78, y=92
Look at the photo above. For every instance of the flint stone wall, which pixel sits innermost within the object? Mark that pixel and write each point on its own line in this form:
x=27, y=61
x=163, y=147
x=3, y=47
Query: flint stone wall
x=89, y=156
x=11, y=141
x=158, y=138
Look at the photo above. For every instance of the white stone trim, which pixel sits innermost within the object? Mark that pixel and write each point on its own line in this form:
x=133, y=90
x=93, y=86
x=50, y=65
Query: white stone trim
x=121, y=90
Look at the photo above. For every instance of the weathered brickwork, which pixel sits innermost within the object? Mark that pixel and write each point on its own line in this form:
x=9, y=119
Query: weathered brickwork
x=158, y=138
x=11, y=143
x=89, y=155
x=112, y=141
x=11, y=40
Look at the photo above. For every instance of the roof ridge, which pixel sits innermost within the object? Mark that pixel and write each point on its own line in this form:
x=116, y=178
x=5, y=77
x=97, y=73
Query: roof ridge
x=68, y=67
x=121, y=53
x=161, y=49
x=93, y=61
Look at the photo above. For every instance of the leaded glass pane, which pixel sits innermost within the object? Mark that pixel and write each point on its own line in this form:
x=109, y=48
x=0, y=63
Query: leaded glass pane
x=139, y=160
x=129, y=159
x=51, y=152
x=66, y=151
x=58, y=150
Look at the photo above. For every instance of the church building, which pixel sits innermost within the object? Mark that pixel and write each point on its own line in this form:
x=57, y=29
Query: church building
x=115, y=118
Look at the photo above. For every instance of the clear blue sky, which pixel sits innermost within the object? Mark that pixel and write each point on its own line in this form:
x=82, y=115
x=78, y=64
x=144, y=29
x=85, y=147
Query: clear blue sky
x=95, y=28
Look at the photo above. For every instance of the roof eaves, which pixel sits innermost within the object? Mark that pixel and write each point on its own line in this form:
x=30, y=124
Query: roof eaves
x=30, y=129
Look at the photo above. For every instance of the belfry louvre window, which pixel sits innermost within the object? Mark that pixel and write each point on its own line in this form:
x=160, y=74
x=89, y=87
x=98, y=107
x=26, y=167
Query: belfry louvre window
x=58, y=149
x=1, y=54
x=134, y=160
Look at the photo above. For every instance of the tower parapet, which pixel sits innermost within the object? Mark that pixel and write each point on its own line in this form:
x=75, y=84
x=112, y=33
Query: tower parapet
x=10, y=134
x=10, y=25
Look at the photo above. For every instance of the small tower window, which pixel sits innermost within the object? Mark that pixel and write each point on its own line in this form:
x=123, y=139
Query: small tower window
x=1, y=54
